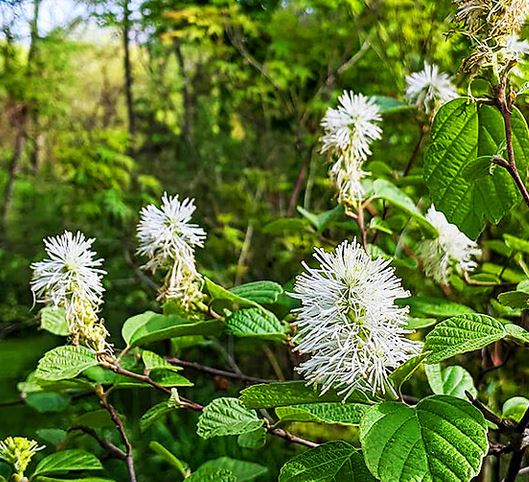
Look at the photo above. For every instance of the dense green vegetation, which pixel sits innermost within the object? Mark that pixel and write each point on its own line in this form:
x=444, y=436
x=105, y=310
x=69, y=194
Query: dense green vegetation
x=222, y=101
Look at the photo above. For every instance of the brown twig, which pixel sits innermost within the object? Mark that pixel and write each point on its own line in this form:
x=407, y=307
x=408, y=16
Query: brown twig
x=112, y=364
x=109, y=447
x=279, y=432
x=216, y=371
x=504, y=104
x=118, y=423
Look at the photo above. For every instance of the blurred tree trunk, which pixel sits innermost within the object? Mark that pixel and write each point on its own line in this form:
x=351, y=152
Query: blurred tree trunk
x=128, y=70
x=188, y=102
x=19, y=118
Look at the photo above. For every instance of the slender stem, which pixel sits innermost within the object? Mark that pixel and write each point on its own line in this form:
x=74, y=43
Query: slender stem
x=105, y=444
x=422, y=134
x=361, y=225
x=103, y=398
x=188, y=404
x=505, y=106
x=216, y=371
x=279, y=432
x=514, y=466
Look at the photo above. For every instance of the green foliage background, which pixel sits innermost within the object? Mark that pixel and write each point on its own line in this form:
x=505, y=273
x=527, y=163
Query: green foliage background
x=227, y=97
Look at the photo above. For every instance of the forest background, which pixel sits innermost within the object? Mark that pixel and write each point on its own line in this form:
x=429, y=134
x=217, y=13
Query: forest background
x=107, y=104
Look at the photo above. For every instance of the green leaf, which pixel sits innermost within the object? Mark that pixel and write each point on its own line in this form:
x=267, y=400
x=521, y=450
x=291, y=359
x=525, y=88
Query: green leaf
x=252, y=440
x=323, y=220
x=153, y=361
x=150, y=327
x=65, y=362
x=384, y=189
x=226, y=416
x=453, y=381
x=212, y=475
x=329, y=412
x=515, y=408
x=390, y=105
x=266, y=292
x=442, y=438
x=516, y=332
x=169, y=457
x=514, y=299
x=418, y=323
x=406, y=370
x=47, y=402
x=54, y=436
x=67, y=460
x=217, y=292
x=243, y=471
x=255, y=322
x=427, y=306
x=330, y=462
x=462, y=132
x=94, y=419
x=516, y=244
x=154, y=413
x=461, y=334
x=280, y=394
x=54, y=320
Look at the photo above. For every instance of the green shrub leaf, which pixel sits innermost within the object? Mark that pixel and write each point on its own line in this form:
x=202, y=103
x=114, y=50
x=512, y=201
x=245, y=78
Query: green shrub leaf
x=150, y=327
x=453, y=381
x=442, y=438
x=266, y=292
x=330, y=462
x=54, y=320
x=67, y=460
x=329, y=412
x=461, y=334
x=243, y=471
x=65, y=362
x=226, y=416
x=255, y=322
x=462, y=132
x=281, y=394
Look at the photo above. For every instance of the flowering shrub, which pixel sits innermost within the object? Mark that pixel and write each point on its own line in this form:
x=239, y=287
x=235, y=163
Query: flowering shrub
x=358, y=337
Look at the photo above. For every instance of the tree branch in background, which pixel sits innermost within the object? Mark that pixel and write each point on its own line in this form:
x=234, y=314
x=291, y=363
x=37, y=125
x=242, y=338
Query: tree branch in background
x=118, y=423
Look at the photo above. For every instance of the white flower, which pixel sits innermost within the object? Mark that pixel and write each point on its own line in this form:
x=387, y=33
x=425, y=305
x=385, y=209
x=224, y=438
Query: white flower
x=347, y=174
x=168, y=239
x=351, y=127
x=515, y=47
x=451, y=249
x=71, y=267
x=428, y=87
x=71, y=279
x=166, y=234
x=348, y=322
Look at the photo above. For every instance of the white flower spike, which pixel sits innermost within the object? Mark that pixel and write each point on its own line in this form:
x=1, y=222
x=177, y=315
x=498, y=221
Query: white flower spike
x=352, y=126
x=71, y=278
x=450, y=250
x=165, y=233
x=348, y=321
x=168, y=239
x=429, y=88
